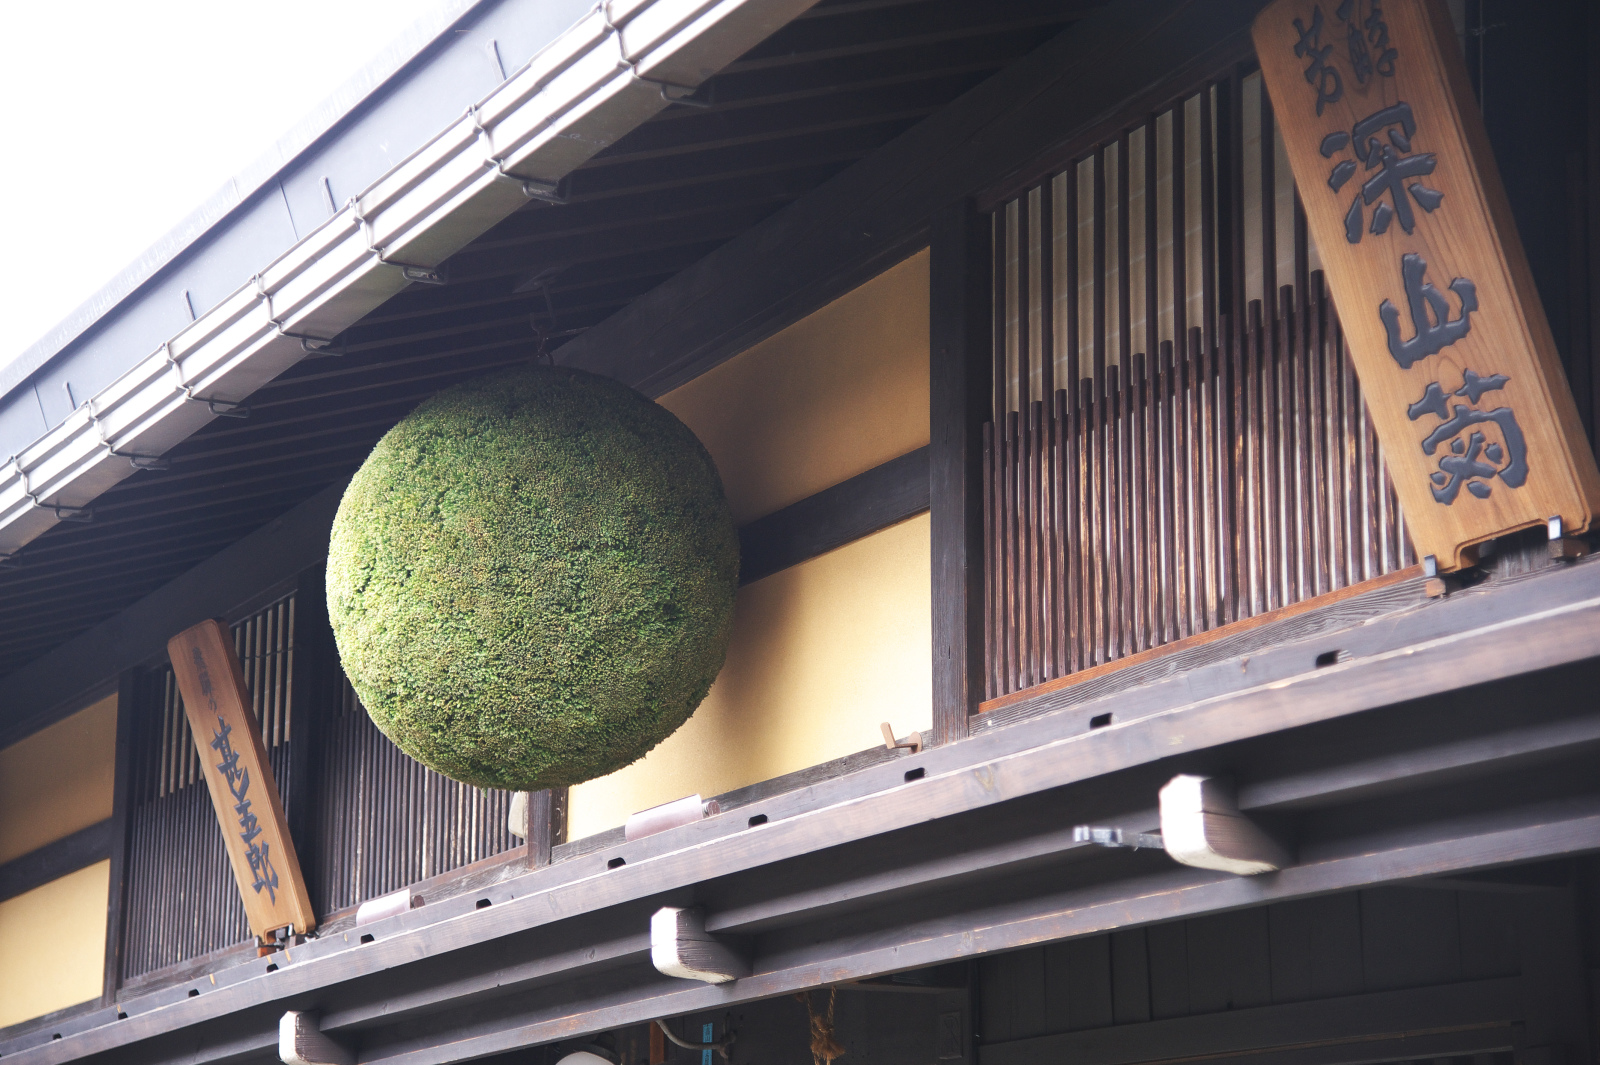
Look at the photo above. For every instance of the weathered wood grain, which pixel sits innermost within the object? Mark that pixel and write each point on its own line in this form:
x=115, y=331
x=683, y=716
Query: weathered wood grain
x=217, y=704
x=1406, y=206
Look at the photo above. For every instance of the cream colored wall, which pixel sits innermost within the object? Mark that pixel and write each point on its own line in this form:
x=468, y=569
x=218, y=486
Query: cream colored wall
x=837, y=393
x=58, y=780
x=822, y=651
x=53, y=938
x=52, y=944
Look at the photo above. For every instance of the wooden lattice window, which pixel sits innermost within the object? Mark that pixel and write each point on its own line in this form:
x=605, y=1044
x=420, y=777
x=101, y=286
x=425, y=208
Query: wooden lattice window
x=368, y=819
x=1178, y=440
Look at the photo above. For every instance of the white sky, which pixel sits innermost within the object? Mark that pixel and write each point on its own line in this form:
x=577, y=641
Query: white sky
x=123, y=116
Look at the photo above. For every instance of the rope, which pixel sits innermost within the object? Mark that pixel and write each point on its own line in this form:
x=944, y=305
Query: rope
x=824, y=1047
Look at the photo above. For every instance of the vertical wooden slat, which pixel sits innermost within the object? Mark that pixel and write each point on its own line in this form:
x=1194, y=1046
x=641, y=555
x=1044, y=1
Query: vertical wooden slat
x=1269, y=209
x=989, y=546
x=1104, y=426
x=1133, y=615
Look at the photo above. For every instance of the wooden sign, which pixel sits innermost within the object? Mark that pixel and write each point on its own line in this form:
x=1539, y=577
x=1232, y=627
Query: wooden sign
x=240, y=778
x=1444, y=326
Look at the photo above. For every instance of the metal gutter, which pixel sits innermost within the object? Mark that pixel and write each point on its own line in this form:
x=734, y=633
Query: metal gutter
x=261, y=174
x=603, y=76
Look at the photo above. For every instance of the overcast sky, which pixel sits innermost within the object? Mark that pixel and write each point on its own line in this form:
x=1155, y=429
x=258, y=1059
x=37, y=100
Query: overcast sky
x=122, y=117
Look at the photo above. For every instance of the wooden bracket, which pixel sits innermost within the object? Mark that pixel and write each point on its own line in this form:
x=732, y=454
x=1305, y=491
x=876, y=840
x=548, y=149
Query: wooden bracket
x=301, y=1042
x=1201, y=826
x=680, y=946
x=913, y=742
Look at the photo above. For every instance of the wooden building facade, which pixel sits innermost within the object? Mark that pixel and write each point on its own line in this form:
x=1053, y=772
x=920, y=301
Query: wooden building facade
x=1006, y=328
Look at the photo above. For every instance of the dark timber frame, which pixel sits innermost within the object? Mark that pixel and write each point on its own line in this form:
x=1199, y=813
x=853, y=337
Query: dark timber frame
x=888, y=861
x=963, y=849
x=959, y=387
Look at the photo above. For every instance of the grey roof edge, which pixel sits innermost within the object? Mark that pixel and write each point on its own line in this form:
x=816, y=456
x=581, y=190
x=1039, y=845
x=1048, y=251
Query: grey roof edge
x=323, y=119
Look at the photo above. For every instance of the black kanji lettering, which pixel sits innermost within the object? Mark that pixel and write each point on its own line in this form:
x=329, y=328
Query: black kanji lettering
x=1390, y=157
x=1472, y=463
x=1319, y=73
x=1433, y=328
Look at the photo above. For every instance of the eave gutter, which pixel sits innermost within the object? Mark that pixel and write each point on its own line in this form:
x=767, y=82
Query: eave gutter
x=600, y=79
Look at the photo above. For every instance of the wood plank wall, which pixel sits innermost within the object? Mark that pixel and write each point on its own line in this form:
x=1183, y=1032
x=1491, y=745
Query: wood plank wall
x=385, y=821
x=182, y=900
x=368, y=819
x=1377, y=940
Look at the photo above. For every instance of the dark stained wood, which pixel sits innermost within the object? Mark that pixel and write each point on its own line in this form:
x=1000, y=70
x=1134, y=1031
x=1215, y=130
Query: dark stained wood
x=584, y=960
x=45, y=690
x=1168, y=946
x=54, y=860
x=782, y=788
x=959, y=401
x=1408, y=939
x=1229, y=965
x=313, y=696
x=577, y=918
x=1201, y=640
x=877, y=211
x=117, y=844
x=1130, y=976
x=1316, y=948
x=1078, y=972
x=867, y=502
x=547, y=825
x=1486, y=1004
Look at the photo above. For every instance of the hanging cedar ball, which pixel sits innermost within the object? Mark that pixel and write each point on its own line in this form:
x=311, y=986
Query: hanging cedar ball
x=531, y=579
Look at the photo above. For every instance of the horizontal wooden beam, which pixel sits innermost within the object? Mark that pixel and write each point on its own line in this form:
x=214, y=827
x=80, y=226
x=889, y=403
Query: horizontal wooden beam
x=55, y=684
x=835, y=516
x=55, y=860
x=878, y=210
x=961, y=850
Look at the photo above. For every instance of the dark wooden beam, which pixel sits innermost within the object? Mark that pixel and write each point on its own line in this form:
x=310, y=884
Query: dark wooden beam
x=121, y=799
x=878, y=210
x=55, y=860
x=835, y=516
x=961, y=850
x=52, y=686
x=959, y=397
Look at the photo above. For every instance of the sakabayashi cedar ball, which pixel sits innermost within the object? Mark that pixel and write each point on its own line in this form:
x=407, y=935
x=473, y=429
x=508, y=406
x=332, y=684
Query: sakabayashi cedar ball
x=531, y=579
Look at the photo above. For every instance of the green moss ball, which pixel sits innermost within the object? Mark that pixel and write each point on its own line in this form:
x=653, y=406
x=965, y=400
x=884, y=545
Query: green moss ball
x=531, y=579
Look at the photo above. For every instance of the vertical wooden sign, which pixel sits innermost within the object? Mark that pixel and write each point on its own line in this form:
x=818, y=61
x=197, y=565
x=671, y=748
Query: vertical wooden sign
x=240, y=778
x=1444, y=325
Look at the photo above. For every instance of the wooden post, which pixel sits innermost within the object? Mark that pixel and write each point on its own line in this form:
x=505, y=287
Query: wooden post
x=959, y=390
x=121, y=796
x=547, y=824
x=313, y=700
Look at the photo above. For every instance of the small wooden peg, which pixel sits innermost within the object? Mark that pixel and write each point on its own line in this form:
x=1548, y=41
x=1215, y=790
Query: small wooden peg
x=913, y=742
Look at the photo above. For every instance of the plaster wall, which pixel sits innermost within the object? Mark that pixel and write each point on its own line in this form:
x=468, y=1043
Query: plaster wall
x=52, y=944
x=53, y=938
x=58, y=780
x=837, y=393
x=822, y=651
